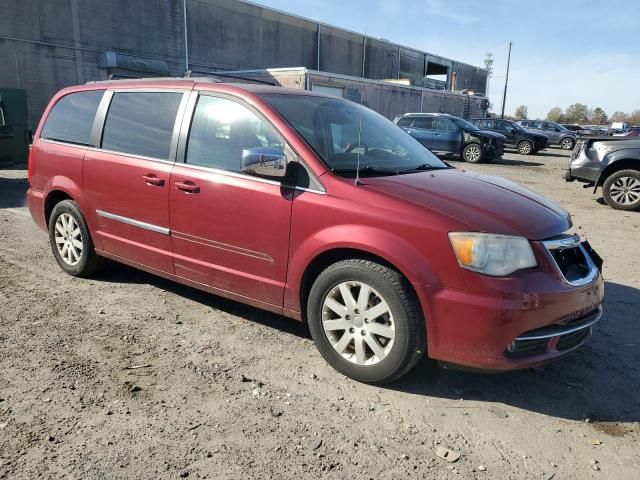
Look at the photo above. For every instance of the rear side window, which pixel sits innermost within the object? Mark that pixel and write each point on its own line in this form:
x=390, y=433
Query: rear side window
x=405, y=122
x=141, y=123
x=71, y=119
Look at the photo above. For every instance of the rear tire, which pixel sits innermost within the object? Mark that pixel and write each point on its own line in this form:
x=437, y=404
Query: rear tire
x=525, y=147
x=473, y=153
x=567, y=143
x=376, y=349
x=71, y=242
x=621, y=190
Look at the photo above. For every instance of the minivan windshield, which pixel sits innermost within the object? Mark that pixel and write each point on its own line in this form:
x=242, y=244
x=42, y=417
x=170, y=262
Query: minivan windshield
x=348, y=137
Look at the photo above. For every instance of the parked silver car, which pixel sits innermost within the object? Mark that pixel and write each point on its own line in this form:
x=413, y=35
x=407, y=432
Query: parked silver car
x=558, y=135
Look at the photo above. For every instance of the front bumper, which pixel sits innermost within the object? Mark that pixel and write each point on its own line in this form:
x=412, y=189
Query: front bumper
x=492, y=325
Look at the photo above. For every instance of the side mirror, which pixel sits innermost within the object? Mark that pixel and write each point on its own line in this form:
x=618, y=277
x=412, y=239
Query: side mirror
x=514, y=130
x=264, y=162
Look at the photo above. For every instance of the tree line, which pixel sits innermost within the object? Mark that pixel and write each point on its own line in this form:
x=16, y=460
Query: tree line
x=581, y=114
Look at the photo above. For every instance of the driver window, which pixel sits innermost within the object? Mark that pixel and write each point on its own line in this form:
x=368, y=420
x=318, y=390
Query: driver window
x=221, y=129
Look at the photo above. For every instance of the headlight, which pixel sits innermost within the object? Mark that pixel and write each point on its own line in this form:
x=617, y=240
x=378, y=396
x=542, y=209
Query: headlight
x=495, y=255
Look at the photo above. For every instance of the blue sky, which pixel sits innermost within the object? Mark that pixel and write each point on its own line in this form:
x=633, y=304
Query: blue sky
x=565, y=51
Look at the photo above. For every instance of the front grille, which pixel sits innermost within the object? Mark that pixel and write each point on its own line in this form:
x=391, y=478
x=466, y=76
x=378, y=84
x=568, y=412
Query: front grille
x=570, y=340
x=580, y=143
x=571, y=259
x=569, y=335
x=571, y=262
x=527, y=348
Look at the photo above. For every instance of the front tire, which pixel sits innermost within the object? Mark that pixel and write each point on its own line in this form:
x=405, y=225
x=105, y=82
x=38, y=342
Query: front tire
x=71, y=242
x=365, y=321
x=525, y=147
x=567, y=143
x=473, y=153
x=621, y=190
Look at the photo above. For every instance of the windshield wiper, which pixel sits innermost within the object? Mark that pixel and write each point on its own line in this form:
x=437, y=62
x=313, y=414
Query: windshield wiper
x=368, y=170
x=422, y=168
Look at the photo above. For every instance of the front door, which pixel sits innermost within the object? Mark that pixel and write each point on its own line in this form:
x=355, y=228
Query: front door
x=447, y=137
x=127, y=181
x=506, y=129
x=229, y=230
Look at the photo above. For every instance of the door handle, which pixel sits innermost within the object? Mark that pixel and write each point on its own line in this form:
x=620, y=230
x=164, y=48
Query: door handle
x=153, y=180
x=187, y=187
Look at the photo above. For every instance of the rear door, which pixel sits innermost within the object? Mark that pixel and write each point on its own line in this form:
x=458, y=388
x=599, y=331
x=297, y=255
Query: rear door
x=422, y=130
x=230, y=231
x=126, y=181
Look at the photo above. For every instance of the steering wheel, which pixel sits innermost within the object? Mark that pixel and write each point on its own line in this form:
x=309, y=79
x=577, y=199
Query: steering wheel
x=356, y=145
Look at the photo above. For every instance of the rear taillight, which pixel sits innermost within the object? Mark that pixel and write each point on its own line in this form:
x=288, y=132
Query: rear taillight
x=30, y=165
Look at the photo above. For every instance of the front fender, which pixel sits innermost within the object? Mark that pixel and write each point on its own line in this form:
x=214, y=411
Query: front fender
x=392, y=248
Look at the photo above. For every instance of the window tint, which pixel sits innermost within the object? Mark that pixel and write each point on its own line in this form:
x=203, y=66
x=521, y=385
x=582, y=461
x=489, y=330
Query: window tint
x=537, y=125
x=405, y=122
x=141, y=123
x=71, y=119
x=503, y=126
x=444, y=125
x=424, y=122
x=222, y=129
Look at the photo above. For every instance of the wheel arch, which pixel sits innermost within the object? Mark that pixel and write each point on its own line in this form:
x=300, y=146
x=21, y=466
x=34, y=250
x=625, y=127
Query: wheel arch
x=615, y=165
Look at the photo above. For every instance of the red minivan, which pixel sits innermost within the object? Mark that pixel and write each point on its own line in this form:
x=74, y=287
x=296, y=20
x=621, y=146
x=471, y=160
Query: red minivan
x=316, y=208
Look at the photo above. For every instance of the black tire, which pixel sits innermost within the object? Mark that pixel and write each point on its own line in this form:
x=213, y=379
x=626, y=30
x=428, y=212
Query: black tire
x=88, y=262
x=525, y=147
x=614, y=187
x=409, y=343
x=567, y=143
x=473, y=153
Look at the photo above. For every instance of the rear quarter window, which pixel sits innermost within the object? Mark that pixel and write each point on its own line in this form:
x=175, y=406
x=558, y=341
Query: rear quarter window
x=71, y=118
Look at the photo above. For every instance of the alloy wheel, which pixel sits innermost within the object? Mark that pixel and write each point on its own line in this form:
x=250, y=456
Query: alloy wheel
x=566, y=144
x=358, y=323
x=472, y=153
x=625, y=190
x=68, y=238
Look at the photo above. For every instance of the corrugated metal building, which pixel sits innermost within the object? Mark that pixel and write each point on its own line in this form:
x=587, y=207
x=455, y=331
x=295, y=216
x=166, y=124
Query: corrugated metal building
x=48, y=44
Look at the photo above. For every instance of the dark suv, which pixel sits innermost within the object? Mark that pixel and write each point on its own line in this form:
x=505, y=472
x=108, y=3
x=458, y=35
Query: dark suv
x=442, y=133
x=525, y=141
x=612, y=163
x=558, y=135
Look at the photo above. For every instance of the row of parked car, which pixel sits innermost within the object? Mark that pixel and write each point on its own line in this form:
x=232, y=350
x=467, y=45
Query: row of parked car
x=610, y=162
x=483, y=139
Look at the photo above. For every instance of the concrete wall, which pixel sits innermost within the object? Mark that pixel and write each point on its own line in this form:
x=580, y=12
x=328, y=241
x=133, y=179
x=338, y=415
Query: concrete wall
x=48, y=44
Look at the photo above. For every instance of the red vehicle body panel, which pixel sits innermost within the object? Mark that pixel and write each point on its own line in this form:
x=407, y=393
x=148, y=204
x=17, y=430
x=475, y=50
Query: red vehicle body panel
x=253, y=241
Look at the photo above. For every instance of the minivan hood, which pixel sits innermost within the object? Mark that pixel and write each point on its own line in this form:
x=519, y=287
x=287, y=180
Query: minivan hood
x=484, y=203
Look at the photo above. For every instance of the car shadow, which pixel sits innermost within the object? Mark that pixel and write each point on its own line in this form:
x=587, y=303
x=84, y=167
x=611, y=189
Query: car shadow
x=120, y=273
x=12, y=192
x=504, y=161
x=556, y=153
x=592, y=383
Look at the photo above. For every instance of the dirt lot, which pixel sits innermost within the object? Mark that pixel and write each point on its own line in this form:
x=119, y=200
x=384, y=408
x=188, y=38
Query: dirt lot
x=131, y=376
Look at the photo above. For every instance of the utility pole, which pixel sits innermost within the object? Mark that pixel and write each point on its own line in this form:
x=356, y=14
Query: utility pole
x=506, y=81
x=186, y=36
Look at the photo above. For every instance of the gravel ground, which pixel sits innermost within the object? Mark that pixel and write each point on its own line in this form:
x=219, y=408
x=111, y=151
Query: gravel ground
x=130, y=376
